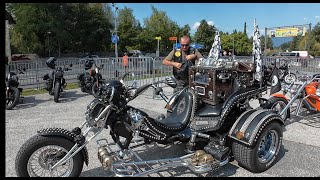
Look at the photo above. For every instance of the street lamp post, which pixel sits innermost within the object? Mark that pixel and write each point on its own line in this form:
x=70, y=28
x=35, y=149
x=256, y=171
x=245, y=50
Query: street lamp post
x=49, y=32
x=115, y=29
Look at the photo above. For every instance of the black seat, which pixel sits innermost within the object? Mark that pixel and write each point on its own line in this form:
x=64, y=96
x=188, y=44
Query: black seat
x=180, y=116
x=210, y=110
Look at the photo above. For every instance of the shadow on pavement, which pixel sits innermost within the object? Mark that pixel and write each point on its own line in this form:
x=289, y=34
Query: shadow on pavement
x=28, y=102
x=69, y=96
x=308, y=119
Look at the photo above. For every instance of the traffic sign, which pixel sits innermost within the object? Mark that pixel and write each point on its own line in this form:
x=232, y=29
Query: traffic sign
x=158, y=38
x=173, y=38
x=115, y=39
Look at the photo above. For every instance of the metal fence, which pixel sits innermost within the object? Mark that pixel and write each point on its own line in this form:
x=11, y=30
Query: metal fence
x=146, y=69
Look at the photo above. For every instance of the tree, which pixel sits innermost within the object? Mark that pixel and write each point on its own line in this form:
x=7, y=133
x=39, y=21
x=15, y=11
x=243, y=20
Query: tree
x=245, y=28
x=205, y=34
x=185, y=30
x=128, y=30
x=74, y=27
x=159, y=24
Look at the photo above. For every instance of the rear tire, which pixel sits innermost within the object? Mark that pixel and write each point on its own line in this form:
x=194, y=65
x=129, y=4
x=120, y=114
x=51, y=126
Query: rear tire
x=52, y=143
x=56, y=91
x=13, y=98
x=261, y=156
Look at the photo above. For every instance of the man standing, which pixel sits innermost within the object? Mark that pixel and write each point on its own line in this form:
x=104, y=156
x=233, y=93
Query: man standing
x=176, y=57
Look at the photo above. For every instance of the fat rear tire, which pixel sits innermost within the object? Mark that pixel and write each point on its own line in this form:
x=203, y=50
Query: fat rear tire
x=36, y=142
x=247, y=156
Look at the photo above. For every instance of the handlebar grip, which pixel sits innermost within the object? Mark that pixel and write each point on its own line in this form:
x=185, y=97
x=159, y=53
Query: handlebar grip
x=142, y=88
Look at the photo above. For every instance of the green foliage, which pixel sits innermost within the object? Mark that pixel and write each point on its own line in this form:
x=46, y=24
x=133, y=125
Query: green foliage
x=159, y=24
x=87, y=27
x=205, y=34
x=74, y=27
x=128, y=29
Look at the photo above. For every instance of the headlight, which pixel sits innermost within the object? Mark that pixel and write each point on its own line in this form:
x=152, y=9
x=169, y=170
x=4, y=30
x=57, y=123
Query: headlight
x=94, y=108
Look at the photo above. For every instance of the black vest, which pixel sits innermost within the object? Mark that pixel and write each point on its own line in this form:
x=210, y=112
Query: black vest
x=180, y=60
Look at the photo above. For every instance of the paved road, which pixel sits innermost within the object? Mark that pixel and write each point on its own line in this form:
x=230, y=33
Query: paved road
x=299, y=155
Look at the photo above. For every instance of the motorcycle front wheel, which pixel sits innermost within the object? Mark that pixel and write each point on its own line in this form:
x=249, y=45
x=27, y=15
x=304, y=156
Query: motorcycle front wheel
x=56, y=91
x=289, y=78
x=39, y=153
x=12, y=98
x=278, y=104
x=96, y=91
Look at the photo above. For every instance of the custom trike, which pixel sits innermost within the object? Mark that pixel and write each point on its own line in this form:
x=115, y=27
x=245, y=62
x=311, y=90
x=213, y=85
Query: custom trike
x=212, y=118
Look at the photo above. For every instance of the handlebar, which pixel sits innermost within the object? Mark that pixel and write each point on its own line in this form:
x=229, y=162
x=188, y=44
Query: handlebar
x=158, y=90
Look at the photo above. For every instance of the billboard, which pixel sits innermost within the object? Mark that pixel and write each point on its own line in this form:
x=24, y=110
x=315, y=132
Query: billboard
x=287, y=32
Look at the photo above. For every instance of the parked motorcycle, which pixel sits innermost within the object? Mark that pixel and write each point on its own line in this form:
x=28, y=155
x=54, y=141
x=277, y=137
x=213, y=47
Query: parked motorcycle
x=285, y=74
x=305, y=93
x=98, y=82
x=12, y=90
x=86, y=79
x=55, y=83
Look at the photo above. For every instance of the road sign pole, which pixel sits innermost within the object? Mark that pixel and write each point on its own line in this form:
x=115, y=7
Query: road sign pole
x=158, y=48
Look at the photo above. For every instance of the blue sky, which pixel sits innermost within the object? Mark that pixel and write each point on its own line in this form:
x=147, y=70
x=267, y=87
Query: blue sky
x=229, y=16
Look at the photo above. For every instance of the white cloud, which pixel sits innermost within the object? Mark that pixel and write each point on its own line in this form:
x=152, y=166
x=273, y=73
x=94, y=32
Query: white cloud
x=317, y=17
x=210, y=23
x=305, y=18
x=196, y=25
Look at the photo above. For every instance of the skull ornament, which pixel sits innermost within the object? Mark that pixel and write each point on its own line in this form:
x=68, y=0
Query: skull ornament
x=206, y=159
x=196, y=156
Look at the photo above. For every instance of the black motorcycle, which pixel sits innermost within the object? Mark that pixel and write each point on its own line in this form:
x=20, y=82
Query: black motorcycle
x=99, y=82
x=12, y=90
x=285, y=73
x=55, y=83
x=86, y=79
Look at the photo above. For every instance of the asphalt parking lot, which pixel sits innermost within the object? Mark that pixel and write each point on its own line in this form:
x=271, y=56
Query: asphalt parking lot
x=299, y=154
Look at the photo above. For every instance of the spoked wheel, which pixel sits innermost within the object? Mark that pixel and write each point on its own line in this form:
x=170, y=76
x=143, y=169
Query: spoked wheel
x=44, y=158
x=278, y=104
x=39, y=154
x=12, y=98
x=289, y=78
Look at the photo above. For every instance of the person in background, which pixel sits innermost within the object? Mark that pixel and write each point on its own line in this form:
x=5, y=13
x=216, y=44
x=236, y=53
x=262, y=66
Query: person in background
x=125, y=61
x=224, y=53
x=175, y=58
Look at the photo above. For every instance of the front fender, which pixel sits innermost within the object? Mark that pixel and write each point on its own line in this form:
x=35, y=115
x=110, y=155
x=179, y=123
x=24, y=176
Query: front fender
x=66, y=134
x=279, y=95
x=246, y=128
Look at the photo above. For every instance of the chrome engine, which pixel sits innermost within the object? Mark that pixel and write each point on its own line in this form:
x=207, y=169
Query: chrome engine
x=136, y=118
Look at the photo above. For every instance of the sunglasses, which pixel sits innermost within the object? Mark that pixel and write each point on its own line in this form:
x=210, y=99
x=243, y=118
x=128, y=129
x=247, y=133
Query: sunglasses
x=186, y=45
